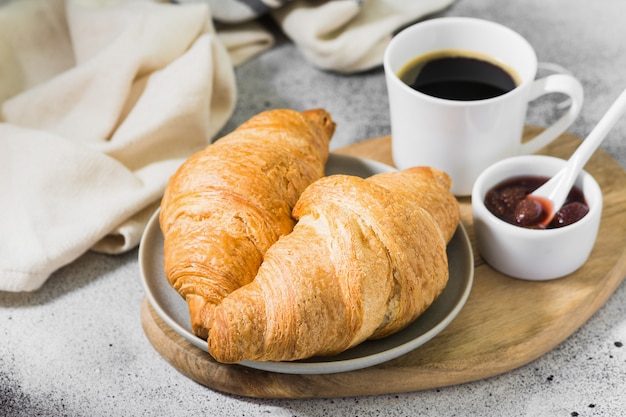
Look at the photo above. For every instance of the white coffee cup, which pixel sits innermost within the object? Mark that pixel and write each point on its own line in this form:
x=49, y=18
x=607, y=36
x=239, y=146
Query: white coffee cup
x=459, y=137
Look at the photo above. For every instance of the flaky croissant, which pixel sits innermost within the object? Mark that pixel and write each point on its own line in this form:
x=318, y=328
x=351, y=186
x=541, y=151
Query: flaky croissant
x=365, y=259
x=227, y=204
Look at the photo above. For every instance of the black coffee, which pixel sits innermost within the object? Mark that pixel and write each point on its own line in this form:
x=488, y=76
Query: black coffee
x=456, y=75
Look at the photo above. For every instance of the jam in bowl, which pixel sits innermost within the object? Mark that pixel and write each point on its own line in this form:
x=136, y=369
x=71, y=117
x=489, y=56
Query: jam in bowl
x=507, y=200
x=523, y=250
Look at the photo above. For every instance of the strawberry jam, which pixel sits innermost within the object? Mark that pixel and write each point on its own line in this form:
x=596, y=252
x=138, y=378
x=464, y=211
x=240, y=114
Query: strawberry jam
x=508, y=202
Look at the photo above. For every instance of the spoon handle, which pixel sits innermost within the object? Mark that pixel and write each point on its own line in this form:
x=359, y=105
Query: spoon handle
x=557, y=193
x=580, y=157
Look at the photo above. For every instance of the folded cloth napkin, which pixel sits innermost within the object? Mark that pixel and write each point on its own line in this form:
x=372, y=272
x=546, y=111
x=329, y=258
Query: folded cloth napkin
x=345, y=36
x=100, y=105
x=237, y=11
x=349, y=35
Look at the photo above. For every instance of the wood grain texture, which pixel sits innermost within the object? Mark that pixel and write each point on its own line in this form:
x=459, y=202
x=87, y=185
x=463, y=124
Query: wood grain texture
x=505, y=323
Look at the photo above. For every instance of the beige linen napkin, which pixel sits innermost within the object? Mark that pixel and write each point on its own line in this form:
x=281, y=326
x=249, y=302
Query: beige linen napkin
x=100, y=105
x=339, y=35
x=349, y=35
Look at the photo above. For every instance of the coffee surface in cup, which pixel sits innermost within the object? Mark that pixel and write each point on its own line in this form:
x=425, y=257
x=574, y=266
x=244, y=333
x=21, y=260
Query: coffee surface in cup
x=458, y=75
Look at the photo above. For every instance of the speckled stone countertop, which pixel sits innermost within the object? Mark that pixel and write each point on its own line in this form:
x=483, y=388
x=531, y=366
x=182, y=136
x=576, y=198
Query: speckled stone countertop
x=76, y=347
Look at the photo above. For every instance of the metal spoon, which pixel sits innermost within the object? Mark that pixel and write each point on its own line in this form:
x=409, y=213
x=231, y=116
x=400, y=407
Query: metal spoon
x=553, y=193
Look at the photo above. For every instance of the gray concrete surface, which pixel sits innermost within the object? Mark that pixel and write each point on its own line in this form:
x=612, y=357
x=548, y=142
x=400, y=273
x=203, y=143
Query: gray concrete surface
x=76, y=347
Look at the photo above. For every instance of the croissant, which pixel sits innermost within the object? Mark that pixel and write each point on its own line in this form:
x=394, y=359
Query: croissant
x=364, y=260
x=227, y=204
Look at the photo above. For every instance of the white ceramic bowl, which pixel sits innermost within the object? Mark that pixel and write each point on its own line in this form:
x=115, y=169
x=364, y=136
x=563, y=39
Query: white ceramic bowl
x=529, y=253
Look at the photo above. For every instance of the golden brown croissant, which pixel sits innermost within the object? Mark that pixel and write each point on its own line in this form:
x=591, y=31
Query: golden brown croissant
x=365, y=259
x=227, y=204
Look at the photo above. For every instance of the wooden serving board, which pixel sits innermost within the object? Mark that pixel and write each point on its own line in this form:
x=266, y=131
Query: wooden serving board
x=505, y=323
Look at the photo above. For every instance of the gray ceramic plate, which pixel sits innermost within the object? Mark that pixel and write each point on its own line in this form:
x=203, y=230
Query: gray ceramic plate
x=173, y=309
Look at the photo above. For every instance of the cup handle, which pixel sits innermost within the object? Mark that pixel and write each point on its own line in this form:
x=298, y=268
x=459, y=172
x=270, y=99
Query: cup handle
x=556, y=83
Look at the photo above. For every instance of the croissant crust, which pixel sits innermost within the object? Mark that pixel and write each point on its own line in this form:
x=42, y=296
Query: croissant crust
x=227, y=204
x=365, y=259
